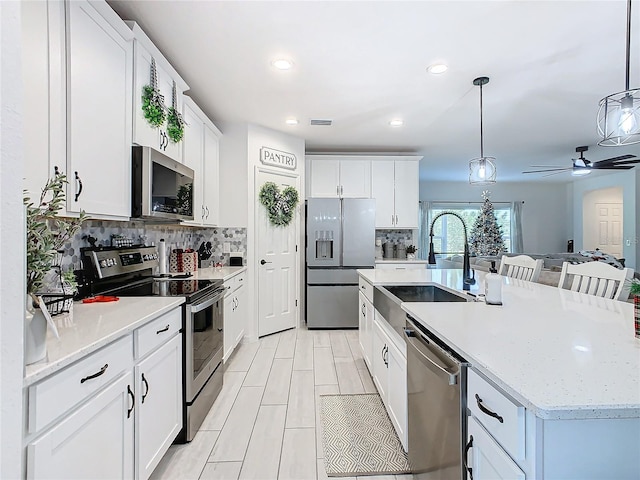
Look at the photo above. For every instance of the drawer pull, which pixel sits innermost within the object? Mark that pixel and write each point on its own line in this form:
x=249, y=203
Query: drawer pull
x=133, y=401
x=97, y=374
x=146, y=389
x=162, y=330
x=464, y=458
x=486, y=411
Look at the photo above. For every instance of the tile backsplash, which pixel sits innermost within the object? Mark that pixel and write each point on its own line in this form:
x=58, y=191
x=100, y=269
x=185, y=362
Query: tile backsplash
x=396, y=236
x=175, y=236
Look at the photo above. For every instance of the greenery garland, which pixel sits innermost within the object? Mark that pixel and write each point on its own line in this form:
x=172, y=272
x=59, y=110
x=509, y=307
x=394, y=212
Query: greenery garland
x=280, y=205
x=175, y=125
x=153, y=105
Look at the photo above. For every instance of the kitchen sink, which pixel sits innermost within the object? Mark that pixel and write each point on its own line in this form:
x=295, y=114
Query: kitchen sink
x=387, y=300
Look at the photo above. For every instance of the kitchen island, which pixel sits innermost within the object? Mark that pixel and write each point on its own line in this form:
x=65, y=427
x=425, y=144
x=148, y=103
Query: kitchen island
x=570, y=361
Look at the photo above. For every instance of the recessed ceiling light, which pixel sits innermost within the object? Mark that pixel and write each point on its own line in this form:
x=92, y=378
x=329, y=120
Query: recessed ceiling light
x=396, y=122
x=437, y=68
x=282, y=64
x=291, y=121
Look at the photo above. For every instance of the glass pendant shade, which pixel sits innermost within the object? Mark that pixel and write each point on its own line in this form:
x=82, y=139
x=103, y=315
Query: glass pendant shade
x=482, y=171
x=619, y=113
x=619, y=119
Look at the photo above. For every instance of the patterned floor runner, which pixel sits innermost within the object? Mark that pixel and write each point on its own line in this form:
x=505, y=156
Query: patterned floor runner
x=358, y=437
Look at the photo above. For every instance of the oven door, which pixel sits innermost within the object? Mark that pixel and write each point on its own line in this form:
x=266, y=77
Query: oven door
x=203, y=342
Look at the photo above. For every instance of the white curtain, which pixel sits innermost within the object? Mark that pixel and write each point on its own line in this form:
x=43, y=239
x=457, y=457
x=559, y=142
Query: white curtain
x=423, y=230
x=516, y=227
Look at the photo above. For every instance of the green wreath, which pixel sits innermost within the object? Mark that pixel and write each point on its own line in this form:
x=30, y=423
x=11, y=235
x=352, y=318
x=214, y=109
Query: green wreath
x=153, y=106
x=175, y=125
x=280, y=205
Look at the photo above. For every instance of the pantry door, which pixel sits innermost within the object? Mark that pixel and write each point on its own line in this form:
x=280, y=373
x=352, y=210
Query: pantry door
x=276, y=256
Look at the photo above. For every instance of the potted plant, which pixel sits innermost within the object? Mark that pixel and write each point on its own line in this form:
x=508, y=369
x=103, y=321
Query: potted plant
x=45, y=236
x=411, y=252
x=634, y=291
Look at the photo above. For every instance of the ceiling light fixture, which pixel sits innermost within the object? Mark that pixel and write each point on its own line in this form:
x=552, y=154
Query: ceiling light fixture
x=396, y=122
x=291, y=121
x=282, y=64
x=437, y=68
x=580, y=171
x=619, y=115
x=482, y=170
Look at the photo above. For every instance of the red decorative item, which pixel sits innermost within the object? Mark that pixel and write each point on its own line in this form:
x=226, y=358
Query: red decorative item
x=636, y=312
x=183, y=262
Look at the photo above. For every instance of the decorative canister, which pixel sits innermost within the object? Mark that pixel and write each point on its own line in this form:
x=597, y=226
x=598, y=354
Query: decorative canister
x=636, y=312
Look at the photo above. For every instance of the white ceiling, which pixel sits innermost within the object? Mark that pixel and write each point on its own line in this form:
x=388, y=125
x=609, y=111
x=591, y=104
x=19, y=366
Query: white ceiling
x=363, y=63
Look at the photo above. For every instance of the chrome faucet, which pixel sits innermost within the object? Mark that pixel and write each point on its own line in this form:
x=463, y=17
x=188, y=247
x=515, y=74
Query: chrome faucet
x=468, y=276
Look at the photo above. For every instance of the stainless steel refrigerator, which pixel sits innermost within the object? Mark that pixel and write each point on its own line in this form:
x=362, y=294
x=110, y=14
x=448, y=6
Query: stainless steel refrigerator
x=340, y=239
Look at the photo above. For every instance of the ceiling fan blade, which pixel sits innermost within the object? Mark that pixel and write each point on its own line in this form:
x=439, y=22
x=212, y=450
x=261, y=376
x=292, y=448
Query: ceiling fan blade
x=622, y=162
x=545, y=166
x=549, y=170
x=612, y=167
x=549, y=174
x=616, y=159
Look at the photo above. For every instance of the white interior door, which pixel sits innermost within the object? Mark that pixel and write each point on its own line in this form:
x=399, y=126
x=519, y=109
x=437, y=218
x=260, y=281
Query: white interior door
x=609, y=228
x=276, y=257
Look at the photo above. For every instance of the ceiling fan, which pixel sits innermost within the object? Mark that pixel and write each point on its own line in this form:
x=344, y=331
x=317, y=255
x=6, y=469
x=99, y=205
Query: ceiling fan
x=582, y=166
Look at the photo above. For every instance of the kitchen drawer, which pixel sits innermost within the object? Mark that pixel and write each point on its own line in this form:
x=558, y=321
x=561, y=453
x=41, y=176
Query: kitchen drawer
x=156, y=333
x=366, y=288
x=57, y=394
x=508, y=432
x=235, y=282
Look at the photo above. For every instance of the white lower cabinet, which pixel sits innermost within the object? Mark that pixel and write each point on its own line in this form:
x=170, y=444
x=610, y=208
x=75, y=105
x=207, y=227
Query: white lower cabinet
x=490, y=462
x=365, y=328
x=158, y=405
x=235, y=313
x=390, y=375
x=104, y=417
x=95, y=441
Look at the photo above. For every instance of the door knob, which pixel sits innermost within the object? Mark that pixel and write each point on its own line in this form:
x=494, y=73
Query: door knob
x=263, y=261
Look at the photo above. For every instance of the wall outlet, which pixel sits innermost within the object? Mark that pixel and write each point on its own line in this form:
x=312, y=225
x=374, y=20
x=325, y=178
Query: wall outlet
x=226, y=247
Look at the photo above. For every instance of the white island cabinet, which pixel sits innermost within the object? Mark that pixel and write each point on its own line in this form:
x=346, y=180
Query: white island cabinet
x=553, y=390
x=108, y=401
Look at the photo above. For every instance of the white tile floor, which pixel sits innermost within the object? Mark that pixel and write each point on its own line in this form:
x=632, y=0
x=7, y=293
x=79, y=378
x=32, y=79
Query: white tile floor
x=265, y=423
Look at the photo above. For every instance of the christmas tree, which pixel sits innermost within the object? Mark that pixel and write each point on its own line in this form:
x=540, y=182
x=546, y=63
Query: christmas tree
x=486, y=234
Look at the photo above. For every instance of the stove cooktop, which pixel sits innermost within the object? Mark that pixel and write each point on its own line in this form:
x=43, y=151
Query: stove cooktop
x=191, y=289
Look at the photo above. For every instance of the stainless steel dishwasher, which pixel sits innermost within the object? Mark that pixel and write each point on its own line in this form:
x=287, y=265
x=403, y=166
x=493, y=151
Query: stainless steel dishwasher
x=436, y=383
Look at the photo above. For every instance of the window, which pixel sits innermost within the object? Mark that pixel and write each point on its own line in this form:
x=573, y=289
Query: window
x=448, y=237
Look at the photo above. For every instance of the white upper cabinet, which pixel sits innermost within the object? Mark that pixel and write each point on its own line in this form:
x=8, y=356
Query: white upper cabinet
x=143, y=133
x=395, y=186
x=201, y=153
x=45, y=110
x=99, y=58
x=335, y=177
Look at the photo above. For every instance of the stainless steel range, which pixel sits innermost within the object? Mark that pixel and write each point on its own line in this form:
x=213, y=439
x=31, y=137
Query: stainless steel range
x=129, y=272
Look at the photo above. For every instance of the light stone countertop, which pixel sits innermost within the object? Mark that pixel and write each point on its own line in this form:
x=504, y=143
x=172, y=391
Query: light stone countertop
x=212, y=273
x=91, y=326
x=562, y=354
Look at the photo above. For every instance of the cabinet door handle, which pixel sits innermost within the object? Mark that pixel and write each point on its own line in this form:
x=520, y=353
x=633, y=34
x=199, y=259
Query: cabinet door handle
x=207, y=209
x=486, y=411
x=392, y=222
x=78, y=186
x=164, y=140
x=202, y=211
x=341, y=190
x=97, y=374
x=146, y=389
x=162, y=330
x=133, y=401
x=338, y=190
x=396, y=219
x=386, y=356
x=363, y=310
x=464, y=458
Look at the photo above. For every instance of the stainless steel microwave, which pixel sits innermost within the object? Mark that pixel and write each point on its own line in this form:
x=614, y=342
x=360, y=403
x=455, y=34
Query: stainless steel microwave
x=162, y=188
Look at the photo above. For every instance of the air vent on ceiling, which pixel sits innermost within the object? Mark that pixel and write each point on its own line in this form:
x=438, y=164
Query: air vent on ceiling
x=316, y=121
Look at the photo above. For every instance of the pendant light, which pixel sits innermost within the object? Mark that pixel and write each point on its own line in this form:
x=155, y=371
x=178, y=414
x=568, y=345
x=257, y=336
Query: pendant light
x=619, y=113
x=482, y=170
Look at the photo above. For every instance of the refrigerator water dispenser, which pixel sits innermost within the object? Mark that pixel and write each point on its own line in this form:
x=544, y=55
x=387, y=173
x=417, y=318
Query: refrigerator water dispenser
x=324, y=245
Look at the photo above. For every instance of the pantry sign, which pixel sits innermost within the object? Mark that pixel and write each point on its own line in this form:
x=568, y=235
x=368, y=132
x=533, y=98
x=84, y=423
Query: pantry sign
x=270, y=156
